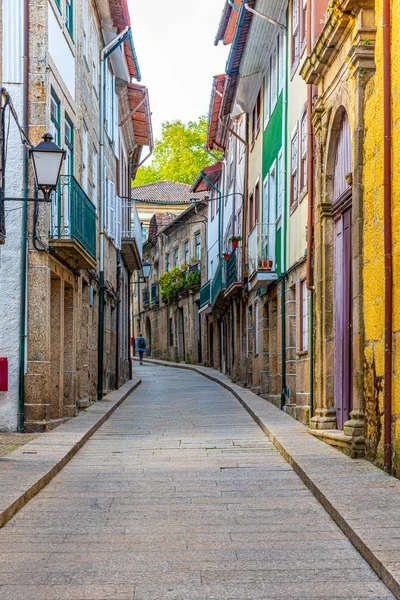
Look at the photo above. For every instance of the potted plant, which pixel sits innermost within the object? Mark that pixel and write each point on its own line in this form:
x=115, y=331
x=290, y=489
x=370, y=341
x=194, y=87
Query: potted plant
x=265, y=264
x=234, y=240
x=226, y=255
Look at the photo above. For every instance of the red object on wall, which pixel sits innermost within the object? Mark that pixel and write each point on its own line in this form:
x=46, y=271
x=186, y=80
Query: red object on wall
x=3, y=374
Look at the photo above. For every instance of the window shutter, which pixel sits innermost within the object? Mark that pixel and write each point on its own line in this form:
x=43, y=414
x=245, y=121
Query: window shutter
x=118, y=228
x=116, y=121
x=109, y=101
x=111, y=210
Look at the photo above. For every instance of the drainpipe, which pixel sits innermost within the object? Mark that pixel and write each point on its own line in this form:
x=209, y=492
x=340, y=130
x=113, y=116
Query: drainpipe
x=283, y=245
x=104, y=54
x=214, y=187
x=387, y=232
x=24, y=245
x=310, y=217
x=246, y=188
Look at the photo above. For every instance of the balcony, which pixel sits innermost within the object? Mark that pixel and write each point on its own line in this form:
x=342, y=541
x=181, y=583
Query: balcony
x=261, y=256
x=146, y=298
x=233, y=273
x=205, y=297
x=218, y=284
x=73, y=225
x=129, y=246
x=155, y=294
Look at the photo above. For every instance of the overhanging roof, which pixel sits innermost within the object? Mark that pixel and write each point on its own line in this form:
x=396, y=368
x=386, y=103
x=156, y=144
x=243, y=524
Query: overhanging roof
x=212, y=173
x=227, y=24
x=140, y=113
x=121, y=19
x=214, y=138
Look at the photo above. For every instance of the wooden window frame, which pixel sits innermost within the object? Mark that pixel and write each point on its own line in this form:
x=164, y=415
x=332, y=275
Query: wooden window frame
x=304, y=315
x=303, y=153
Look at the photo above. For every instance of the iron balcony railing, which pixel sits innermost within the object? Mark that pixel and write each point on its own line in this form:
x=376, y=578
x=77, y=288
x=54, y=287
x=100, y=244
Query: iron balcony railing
x=127, y=220
x=155, y=293
x=73, y=216
x=234, y=267
x=146, y=296
x=261, y=248
x=205, y=294
x=218, y=282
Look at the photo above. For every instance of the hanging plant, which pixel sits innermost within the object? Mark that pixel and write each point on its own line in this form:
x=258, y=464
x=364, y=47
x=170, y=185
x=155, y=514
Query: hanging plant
x=234, y=240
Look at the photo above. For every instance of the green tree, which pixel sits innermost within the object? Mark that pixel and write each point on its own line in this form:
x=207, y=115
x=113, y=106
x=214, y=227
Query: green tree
x=179, y=155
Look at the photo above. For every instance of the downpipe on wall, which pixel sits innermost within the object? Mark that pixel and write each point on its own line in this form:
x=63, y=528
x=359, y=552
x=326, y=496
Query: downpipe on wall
x=24, y=241
x=387, y=233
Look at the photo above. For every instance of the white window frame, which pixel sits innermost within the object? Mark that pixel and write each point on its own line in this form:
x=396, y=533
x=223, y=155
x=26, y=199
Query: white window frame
x=281, y=187
x=272, y=213
x=304, y=316
x=294, y=163
x=267, y=99
x=111, y=204
x=85, y=157
x=95, y=176
x=118, y=222
x=282, y=61
x=274, y=79
x=265, y=216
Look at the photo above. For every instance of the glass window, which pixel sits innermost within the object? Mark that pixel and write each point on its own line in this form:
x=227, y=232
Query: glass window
x=294, y=166
x=256, y=325
x=171, y=332
x=198, y=246
x=176, y=257
x=69, y=145
x=303, y=317
x=303, y=155
x=282, y=61
x=281, y=186
x=69, y=16
x=295, y=33
x=187, y=252
x=274, y=79
x=267, y=97
x=58, y=2
x=85, y=157
x=55, y=118
x=168, y=263
x=95, y=175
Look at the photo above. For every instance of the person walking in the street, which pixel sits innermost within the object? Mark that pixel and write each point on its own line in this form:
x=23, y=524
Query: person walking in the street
x=140, y=346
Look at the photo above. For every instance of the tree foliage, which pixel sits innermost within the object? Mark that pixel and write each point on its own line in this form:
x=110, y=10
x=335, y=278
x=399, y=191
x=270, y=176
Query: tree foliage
x=178, y=155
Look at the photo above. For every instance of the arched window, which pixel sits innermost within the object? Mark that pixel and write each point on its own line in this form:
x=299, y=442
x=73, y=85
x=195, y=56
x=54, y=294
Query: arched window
x=343, y=159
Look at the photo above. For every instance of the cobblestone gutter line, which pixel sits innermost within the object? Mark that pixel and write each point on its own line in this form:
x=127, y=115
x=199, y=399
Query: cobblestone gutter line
x=363, y=500
x=24, y=472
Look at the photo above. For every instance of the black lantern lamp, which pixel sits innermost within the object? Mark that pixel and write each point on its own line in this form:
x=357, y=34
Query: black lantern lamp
x=146, y=268
x=47, y=159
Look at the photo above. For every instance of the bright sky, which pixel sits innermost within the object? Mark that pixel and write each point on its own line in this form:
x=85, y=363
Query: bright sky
x=174, y=42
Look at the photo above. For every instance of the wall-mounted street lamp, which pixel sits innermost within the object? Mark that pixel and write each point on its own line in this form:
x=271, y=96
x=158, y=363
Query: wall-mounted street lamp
x=47, y=159
x=146, y=268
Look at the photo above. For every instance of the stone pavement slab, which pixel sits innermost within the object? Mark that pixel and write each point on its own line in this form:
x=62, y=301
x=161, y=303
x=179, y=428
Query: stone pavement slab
x=154, y=506
x=29, y=468
x=361, y=498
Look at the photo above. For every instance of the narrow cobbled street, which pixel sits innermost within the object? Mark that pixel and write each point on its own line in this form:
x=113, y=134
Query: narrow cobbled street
x=179, y=495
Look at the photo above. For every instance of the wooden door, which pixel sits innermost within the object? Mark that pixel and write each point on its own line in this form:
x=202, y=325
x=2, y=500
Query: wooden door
x=343, y=318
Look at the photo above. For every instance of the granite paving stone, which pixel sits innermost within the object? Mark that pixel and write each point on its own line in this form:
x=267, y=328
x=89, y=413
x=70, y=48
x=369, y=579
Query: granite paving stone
x=180, y=495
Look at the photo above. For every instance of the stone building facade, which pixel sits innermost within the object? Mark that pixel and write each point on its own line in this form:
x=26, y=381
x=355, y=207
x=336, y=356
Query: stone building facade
x=170, y=299
x=338, y=119
x=82, y=248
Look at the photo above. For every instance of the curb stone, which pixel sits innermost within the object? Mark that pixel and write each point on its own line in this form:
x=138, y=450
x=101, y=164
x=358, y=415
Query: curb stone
x=381, y=567
x=27, y=470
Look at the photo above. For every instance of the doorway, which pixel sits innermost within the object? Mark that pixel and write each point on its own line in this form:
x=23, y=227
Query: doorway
x=343, y=293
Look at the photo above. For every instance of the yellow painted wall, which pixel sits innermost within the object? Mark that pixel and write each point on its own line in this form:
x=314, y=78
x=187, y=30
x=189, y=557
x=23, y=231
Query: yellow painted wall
x=373, y=273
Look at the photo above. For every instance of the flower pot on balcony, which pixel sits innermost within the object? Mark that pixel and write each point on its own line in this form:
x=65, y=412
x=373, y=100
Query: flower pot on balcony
x=235, y=243
x=226, y=256
x=264, y=264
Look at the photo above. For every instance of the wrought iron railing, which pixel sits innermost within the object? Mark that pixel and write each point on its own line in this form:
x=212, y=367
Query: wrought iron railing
x=218, y=283
x=205, y=294
x=261, y=248
x=146, y=296
x=231, y=268
x=155, y=293
x=73, y=216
